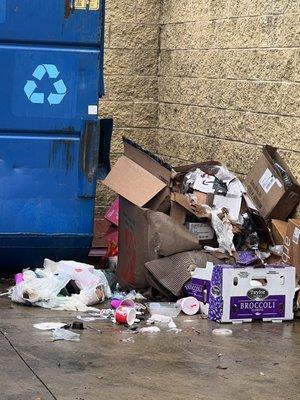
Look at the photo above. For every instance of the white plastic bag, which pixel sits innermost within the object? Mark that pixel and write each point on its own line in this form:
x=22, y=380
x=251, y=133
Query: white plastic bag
x=42, y=286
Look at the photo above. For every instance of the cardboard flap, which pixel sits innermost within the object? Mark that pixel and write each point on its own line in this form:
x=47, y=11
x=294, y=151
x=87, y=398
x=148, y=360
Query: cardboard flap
x=133, y=182
x=147, y=160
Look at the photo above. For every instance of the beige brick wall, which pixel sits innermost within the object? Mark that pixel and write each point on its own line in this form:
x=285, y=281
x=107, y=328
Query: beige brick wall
x=225, y=81
x=131, y=75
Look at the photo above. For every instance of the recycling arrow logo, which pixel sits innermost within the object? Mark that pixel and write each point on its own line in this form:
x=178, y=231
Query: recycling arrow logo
x=59, y=87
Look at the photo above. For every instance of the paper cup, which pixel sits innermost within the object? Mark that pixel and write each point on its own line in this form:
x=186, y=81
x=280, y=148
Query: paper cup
x=125, y=315
x=128, y=303
x=189, y=305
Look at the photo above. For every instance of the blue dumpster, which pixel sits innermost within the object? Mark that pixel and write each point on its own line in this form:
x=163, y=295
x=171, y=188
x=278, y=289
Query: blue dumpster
x=51, y=74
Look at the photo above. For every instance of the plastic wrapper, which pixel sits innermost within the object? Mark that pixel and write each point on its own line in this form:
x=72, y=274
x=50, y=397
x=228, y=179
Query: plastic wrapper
x=277, y=250
x=63, y=334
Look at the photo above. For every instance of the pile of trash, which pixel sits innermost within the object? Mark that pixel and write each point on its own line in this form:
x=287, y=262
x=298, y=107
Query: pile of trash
x=198, y=231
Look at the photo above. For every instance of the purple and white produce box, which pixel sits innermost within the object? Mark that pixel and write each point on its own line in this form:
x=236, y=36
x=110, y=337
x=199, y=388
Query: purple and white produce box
x=244, y=294
x=199, y=286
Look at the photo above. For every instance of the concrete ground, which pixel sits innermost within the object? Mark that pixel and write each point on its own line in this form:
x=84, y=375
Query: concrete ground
x=260, y=361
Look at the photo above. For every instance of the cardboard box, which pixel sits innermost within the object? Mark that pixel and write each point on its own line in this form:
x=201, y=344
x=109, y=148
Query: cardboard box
x=139, y=176
x=267, y=189
x=199, y=286
x=204, y=232
x=251, y=293
x=291, y=246
x=229, y=293
x=143, y=180
x=145, y=235
x=278, y=231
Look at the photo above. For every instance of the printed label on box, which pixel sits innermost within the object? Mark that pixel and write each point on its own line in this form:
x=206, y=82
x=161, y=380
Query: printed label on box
x=267, y=181
x=270, y=307
x=198, y=288
x=296, y=235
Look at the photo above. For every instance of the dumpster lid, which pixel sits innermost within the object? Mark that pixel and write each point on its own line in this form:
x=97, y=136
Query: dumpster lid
x=138, y=175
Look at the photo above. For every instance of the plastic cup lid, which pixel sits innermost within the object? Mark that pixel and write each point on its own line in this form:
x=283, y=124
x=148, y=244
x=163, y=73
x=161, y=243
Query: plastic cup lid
x=222, y=332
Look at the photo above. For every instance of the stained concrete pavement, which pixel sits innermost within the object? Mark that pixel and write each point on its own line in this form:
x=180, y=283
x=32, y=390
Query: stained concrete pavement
x=260, y=361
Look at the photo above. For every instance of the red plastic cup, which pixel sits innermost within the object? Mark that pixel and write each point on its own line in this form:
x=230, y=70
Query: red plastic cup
x=125, y=315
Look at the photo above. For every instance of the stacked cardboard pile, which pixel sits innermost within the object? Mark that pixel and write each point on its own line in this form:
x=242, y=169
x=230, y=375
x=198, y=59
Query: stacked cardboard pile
x=175, y=220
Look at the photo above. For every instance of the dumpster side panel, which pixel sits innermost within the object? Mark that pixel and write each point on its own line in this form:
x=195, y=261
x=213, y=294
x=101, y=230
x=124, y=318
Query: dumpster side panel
x=51, y=77
x=50, y=21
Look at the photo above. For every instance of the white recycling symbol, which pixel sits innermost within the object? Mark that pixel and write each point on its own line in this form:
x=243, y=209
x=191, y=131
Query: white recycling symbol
x=36, y=97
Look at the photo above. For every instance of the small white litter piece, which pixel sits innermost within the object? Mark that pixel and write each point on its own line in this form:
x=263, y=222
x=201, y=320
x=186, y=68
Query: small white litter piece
x=85, y=319
x=150, y=329
x=63, y=334
x=49, y=326
x=172, y=325
x=222, y=332
x=128, y=340
x=160, y=319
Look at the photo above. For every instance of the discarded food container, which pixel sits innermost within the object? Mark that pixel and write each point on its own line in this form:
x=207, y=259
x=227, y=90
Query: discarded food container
x=199, y=286
x=189, y=305
x=167, y=309
x=233, y=298
x=125, y=315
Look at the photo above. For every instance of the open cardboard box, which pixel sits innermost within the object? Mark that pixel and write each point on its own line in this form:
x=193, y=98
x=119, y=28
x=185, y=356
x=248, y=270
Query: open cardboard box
x=143, y=182
x=267, y=189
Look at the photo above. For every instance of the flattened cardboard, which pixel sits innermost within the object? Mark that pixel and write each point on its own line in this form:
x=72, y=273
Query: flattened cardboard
x=144, y=235
x=291, y=246
x=278, y=231
x=266, y=187
x=134, y=183
x=177, y=212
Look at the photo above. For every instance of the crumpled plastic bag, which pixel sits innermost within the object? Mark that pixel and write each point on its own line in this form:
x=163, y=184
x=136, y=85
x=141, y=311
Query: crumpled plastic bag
x=42, y=286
